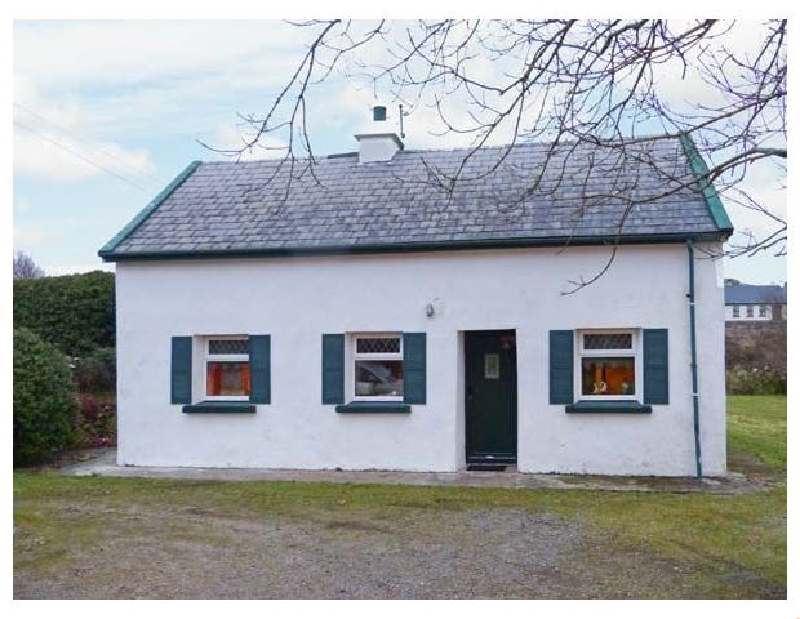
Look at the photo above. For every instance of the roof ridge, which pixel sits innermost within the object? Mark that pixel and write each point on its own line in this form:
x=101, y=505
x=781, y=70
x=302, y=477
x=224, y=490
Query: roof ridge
x=410, y=151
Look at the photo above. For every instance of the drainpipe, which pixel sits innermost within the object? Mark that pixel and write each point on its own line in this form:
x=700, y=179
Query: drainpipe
x=695, y=396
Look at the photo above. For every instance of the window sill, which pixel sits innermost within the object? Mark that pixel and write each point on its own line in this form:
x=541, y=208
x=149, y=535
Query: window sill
x=374, y=407
x=611, y=406
x=220, y=406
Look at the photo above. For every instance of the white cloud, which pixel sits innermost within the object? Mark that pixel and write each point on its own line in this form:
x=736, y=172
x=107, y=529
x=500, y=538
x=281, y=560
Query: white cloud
x=136, y=51
x=130, y=77
x=21, y=206
x=53, y=140
x=48, y=154
x=29, y=235
x=229, y=138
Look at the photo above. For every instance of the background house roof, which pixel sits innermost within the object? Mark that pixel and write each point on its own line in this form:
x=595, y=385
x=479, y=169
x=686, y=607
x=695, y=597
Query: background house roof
x=750, y=294
x=584, y=195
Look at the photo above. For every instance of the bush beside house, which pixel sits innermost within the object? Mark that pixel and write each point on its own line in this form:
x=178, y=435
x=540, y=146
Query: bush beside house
x=74, y=312
x=755, y=358
x=76, y=315
x=44, y=399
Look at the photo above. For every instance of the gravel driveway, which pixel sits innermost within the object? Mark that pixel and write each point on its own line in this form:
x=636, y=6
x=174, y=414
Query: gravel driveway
x=155, y=552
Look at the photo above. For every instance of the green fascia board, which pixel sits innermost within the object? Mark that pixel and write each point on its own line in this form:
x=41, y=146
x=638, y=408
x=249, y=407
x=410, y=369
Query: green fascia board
x=609, y=406
x=219, y=406
x=389, y=248
x=710, y=195
x=373, y=407
x=142, y=215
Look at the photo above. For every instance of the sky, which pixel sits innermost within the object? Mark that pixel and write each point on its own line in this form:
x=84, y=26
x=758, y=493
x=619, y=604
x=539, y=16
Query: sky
x=106, y=113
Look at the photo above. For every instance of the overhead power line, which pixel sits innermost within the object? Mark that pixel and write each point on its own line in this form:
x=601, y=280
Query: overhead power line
x=87, y=142
x=77, y=154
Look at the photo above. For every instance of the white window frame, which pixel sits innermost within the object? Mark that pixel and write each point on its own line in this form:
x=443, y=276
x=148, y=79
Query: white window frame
x=749, y=311
x=762, y=311
x=207, y=357
x=634, y=351
x=354, y=356
x=736, y=311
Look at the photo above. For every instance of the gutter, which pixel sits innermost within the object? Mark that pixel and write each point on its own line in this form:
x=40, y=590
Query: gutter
x=111, y=255
x=695, y=395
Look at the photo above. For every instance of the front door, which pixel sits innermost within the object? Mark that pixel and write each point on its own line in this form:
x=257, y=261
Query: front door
x=491, y=396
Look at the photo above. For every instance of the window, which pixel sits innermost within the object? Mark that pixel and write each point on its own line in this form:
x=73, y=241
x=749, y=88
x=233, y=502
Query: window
x=749, y=311
x=227, y=368
x=762, y=311
x=608, y=364
x=377, y=366
x=735, y=311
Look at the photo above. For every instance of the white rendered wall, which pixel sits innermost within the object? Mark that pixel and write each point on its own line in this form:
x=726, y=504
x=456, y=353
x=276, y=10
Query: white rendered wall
x=296, y=300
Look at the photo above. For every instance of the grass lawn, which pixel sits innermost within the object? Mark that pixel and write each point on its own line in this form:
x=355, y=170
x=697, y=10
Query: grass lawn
x=757, y=429
x=102, y=537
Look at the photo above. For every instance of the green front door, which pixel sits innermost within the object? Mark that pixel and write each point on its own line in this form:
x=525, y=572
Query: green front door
x=491, y=396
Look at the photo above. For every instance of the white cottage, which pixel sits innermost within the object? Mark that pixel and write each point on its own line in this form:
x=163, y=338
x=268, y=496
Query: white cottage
x=364, y=317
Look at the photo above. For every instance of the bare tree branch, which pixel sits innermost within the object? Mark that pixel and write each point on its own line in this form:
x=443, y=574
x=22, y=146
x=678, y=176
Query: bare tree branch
x=607, y=85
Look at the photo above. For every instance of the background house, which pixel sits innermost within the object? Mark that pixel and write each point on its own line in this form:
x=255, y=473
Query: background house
x=755, y=337
x=751, y=302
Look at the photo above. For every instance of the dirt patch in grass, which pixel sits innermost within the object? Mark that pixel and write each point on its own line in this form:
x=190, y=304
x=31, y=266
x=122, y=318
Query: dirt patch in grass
x=109, y=538
x=476, y=553
x=127, y=538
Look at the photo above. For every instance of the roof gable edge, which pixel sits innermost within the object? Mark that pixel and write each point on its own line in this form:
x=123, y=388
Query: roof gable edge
x=710, y=196
x=142, y=215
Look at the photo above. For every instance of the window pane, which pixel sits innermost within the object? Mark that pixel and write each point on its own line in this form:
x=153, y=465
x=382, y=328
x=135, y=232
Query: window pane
x=381, y=378
x=378, y=345
x=227, y=347
x=224, y=378
x=749, y=311
x=609, y=376
x=599, y=341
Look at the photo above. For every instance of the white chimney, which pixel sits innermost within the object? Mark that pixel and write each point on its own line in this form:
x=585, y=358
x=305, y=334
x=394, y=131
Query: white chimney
x=379, y=144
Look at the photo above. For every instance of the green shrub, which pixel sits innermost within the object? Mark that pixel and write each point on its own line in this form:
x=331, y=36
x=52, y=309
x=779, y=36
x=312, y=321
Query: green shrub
x=95, y=422
x=44, y=399
x=74, y=312
x=96, y=372
x=755, y=381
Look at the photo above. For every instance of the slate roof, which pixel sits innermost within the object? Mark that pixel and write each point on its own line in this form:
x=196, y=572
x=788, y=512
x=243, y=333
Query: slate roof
x=751, y=294
x=242, y=208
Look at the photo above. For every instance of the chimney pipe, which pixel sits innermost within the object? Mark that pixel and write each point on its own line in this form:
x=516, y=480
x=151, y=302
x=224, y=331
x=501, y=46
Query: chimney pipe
x=378, y=144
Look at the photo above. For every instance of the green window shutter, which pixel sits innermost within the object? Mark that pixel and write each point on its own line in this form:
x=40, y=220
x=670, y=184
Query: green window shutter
x=656, y=366
x=181, y=371
x=562, y=367
x=260, y=389
x=333, y=368
x=414, y=368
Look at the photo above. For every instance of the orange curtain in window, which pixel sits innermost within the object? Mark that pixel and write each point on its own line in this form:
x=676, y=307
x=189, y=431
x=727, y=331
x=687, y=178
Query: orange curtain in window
x=213, y=379
x=615, y=376
x=245, y=374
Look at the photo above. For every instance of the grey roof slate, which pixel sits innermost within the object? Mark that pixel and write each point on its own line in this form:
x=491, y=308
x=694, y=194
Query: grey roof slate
x=264, y=206
x=752, y=294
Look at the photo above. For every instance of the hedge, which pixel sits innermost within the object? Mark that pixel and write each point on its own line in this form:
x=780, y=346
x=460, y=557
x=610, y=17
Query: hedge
x=44, y=399
x=74, y=312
